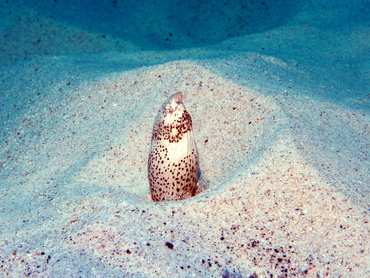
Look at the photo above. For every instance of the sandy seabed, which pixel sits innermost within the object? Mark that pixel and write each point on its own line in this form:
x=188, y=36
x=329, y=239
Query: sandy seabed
x=284, y=160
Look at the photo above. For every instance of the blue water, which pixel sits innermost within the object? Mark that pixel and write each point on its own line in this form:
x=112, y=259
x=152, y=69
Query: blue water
x=324, y=38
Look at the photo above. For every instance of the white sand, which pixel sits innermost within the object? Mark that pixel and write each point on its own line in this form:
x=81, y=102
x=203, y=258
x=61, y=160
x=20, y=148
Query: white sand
x=283, y=141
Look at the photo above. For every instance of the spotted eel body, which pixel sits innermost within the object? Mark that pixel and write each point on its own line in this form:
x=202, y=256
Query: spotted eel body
x=173, y=158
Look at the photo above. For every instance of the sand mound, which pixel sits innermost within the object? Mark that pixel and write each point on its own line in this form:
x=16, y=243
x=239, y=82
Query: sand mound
x=284, y=176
